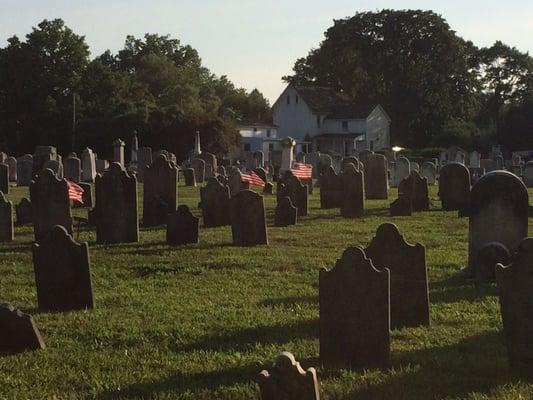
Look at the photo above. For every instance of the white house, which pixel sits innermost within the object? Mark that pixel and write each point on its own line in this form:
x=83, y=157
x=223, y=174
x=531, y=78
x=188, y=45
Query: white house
x=329, y=121
x=258, y=137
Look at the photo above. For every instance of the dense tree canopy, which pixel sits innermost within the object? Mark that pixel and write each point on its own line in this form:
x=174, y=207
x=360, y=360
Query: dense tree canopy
x=154, y=85
x=434, y=84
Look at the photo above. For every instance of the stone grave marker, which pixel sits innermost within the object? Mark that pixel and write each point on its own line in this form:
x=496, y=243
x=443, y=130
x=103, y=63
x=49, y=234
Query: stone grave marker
x=215, y=203
x=12, y=165
x=160, y=191
x=50, y=204
x=486, y=260
x=331, y=191
x=401, y=207
x=235, y=182
x=353, y=192
x=101, y=166
x=354, y=313
x=199, y=169
x=429, y=171
x=24, y=172
x=188, y=175
x=287, y=380
x=416, y=189
x=475, y=159
x=62, y=272
x=72, y=169
x=286, y=214
x=6, y=220
x=376, y=180
x=182, y=227
x=24, y=212
x=41, y=155
x=210, y=164
x=248, y=221
x=4, y=178
x=19, y=332
x=527, y=174
x=86, y=197
x=454, y=186
x=297, y=192
x=116, y=206
x=118, y=151
x=409, y=299
x=221, y=170
x=402, y=169
x=56, y=166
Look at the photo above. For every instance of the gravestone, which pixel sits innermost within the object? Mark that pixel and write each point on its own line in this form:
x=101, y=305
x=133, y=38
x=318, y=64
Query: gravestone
x=24, y=212
x=214, y=200
x=221, y=170
x=409, y=300
x=4, y=178
x=331, y=191
x=188, y=175
x=353, y=192
x=50, y=204
x=12, y=165
x=349, y=160
x=116, y=206
x=297, y=192
x=248, y=221
x=118, y=151
x=515, y=285
x=19, y=332
x=415, y=167
x=401, y=207
x=454, y=186
x=259, y=159
x=527, y=174
x=475, y=159
x=6, y=220
x=144, y=160
x=56, y=166
x=199, y=169
x=182, y=227
x=210, y=164
x=24, y=172
x=88, y=165
x=323, y=163
x=354, y=313
x=429, y=171
x=286, y=214
x=287, y=154
x=3, y=157
x=261, y=173
x=287, y=380
x=62, y=272
x=402, y=169
x=41, y=155
x=416, y=189
x=475, y=174
x=101, y=166
x=235, y=182
x=500, y=162
x=376, y=180
x=72, y=169
x=160, y=191
x=86, y=197
x=498, y=212
x=487, y=258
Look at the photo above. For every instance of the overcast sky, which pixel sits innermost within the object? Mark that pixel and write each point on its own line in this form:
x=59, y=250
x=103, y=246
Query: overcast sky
x=254, y=42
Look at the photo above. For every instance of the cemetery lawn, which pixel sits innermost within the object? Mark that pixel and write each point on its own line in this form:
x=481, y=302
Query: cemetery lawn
x=200, y=321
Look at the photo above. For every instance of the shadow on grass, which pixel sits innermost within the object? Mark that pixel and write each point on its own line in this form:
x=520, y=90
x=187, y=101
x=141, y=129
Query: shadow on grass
x=288, y=301
x=457, y=288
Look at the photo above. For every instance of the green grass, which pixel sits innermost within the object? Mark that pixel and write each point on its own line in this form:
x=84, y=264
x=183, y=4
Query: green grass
x=200, y=321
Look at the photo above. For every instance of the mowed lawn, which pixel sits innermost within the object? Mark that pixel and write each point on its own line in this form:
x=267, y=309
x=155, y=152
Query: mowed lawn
x=200, y=321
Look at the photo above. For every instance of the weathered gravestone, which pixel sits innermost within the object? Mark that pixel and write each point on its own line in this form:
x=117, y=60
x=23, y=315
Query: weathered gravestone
x=4, y=178
x=429, y=171
x=50, y=204
x=88, y=165
x=41, y=156
x=498, y=212
x=298, y=193
x=248, y=221
x=402, y=169
x=235, y=182
x=409, y=301
x=6, y=220
x=118, y=151
x=116, y=206
x=286, y=214
x=323, y=163
x=354, y=300
x=515, y=285
x=72, y=169
x=160, y=191
x=19, y=332
x=182, y=227
x=189, y=177
x=62, y=272
x=402, y=206
x=199, y=169
x=144, y=160
x=454, y=186
x=416, y=189
x=475, y=159
x=3, y=157
x=24, y=211
x=24, y=171
x=376, y=179
x=287, y=380
x=101, y=166
x=527, y=174
x=349, y=160
x=331, y=191
x=214, y=200
x=210, y=164
x=54, y=165
x=353, y=192
x=486, y=260
x=12, y=165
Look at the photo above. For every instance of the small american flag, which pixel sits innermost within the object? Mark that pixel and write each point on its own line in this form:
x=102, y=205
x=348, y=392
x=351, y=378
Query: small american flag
x=75, y=192
x=252, y=178
x=302, y=171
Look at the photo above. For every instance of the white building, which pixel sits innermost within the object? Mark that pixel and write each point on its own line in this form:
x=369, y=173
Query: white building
x=259, y=137
x=329, y=121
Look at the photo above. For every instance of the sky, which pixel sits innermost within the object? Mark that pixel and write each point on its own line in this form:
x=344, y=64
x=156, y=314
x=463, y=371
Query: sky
x=254, y=42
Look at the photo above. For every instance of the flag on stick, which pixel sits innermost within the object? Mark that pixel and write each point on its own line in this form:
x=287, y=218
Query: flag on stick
x=302, y=171
x=252, y=178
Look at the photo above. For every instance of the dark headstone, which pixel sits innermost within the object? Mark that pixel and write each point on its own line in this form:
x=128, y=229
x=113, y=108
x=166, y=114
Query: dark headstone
x=248, y=221
x=6, y=220
x=182, y=227
x=41, y=156
x=401, y=207
x=215, y=204
x=409, y=301
x=116, y=206
x=19, y=333
x=4, y=178
x=287, y=380
x=50, y=204
x=160, y=191
x=354, y=313
x=376, y=179
x=290, y=186
x=210, y=164
x=353, y=192
x=62, y=272
x=188, y=175
x=199, y=169
x=515, y=285
x=12, y=165
x=416, y=188
x=86, y=197
x=454, y=186
x=286, y=214
x=487, y=258
x=24, y=211
x=330, y=189
x=72, y=169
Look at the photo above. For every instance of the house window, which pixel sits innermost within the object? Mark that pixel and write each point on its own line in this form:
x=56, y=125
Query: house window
x=345, y=126
x=268, y=132
x=318, y=121
x=271, y=147
x=296, y=99
x=288, y=99
x=246, y=146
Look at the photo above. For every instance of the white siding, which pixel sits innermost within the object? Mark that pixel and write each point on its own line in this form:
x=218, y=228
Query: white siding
x=260, y=132
x=335, y=126
x=378, y=126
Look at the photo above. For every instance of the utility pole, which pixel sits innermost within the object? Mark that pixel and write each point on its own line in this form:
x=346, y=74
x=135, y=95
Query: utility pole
x=73, y=121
